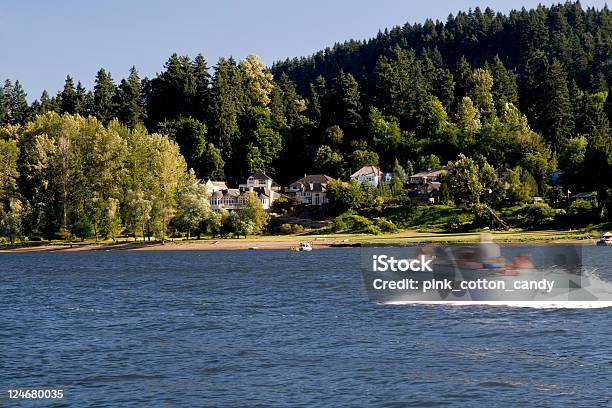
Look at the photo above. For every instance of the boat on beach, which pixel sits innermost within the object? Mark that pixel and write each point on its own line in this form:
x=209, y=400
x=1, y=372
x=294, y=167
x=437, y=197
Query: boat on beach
x=605, y=239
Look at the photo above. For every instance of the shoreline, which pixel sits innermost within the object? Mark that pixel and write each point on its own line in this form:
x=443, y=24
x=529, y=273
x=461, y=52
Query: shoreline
x=405, y=238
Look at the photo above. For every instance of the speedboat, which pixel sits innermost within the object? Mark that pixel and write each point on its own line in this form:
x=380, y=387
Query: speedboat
x=304, y=246
x=605, y=240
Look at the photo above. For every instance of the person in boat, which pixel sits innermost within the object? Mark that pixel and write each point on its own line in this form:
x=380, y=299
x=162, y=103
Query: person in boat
x=488, y=253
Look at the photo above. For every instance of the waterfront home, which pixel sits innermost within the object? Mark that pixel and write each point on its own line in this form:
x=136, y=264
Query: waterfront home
x=214, y=186
x=427, y=193
x=429, y=175
x=372, y=175
x=227, y=199
x=222, y=197
x=266, y=188
x=311, y=189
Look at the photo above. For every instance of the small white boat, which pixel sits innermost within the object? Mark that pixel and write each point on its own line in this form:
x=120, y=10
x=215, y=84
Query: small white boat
x=605, y=240
x=304, y=246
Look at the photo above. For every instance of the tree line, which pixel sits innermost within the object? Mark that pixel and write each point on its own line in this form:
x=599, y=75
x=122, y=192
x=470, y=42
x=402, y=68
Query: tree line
x=69, y=176
x=529, y=89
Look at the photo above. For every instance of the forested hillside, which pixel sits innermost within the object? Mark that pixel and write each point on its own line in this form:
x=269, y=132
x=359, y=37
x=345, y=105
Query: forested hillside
x=526, y=93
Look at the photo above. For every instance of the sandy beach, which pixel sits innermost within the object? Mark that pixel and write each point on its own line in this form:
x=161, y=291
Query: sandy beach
x=221, y=244
x=317, y=241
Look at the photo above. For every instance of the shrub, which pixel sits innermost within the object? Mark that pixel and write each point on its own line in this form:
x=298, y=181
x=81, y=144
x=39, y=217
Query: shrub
x=538, y=215
x=372, y=229
x=453, y=224
x=582, y=212
x=385, y=225
x=297, y=228
x=82, y=230
x=351, y=222
x=285, y=229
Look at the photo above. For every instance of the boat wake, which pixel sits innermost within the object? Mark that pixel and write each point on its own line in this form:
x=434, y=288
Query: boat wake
x=535, y=304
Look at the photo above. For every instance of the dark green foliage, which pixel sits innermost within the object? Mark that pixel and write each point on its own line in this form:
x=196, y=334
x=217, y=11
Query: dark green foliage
x=343, y=196
x=104, y=92
x=129, y=100
x=538, y=215
x=68, y=97
x=582, y=212
x=172, y=92
x=190, y=135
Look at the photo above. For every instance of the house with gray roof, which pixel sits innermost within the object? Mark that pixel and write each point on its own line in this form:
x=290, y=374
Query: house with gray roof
x=311, y=189
x=372, y=175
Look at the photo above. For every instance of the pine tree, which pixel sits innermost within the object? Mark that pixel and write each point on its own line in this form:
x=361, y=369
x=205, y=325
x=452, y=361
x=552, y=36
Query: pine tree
x=212, y=163
x=68, y=97
x=104, y=91
x=534, y=90
x=14, y=107
x=293, y=105
x=46, y=104
x=172, y=92
x=226, y=105
x=129, y=100
x=464, y=78
x=346, y=104
x=202, y=88
x=81, y=95
x=504, y=85
x=558, y=123
x=4, y=107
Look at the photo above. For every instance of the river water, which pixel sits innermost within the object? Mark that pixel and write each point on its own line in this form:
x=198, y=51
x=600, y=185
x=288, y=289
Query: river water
x=276, y=328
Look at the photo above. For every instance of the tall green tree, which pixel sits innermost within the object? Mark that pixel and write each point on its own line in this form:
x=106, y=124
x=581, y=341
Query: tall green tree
x=104, y=92
x=68, y=97
x=202, y=88
x=129, y=100
x=227, y=104
x=190, y=135
x=558, y=123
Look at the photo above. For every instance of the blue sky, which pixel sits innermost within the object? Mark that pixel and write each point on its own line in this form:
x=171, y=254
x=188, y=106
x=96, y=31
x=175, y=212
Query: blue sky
x=45, y=40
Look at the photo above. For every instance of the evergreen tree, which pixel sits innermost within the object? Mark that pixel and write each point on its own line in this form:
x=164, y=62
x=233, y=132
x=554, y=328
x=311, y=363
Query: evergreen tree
x=172, y=92
x=212, y=163
x=190, y=135
x=345, y=104
x=68, y=97
x=46, y=104
x=464, y=79
x=504, y=85
x=104, y=92
x=129, y=100
x=18, y=104
x=558, y=113
x=227, y=103
x=202, y=88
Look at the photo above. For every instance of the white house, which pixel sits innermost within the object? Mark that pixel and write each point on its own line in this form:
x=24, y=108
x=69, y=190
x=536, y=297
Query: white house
x=372, y=175
x=222, y=197
x=311, y=189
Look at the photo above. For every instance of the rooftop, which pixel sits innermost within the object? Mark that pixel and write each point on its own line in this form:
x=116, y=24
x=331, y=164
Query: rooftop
x=366, y=171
